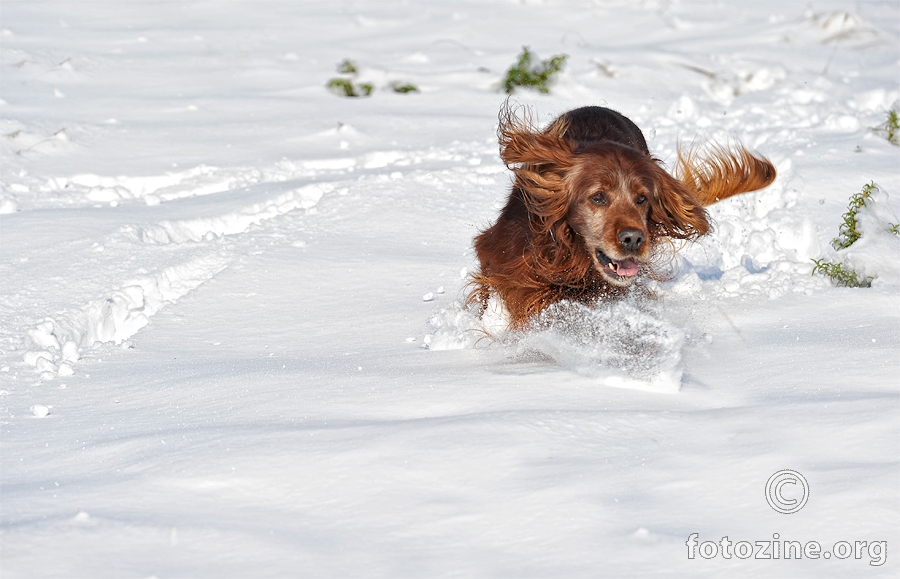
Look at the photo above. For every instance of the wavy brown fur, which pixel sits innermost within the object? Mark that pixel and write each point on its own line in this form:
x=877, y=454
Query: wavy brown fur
x=533, y=256
x=726, y=172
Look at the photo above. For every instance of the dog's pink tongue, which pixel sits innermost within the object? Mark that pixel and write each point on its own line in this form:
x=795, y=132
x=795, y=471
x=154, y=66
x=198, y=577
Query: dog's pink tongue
x=626, y=268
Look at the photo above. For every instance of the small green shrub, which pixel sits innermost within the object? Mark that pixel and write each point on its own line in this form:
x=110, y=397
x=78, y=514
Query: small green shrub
x=527, y=73
x=839, y=276
x=847, y=234
x=890, y=128
x=344, y=87
x=404, y=87
x=347, y=66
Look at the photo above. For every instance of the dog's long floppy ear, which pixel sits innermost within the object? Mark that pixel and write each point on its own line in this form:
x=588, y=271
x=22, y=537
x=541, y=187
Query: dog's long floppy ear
x=674, y=211
x=542, y=162
x=523, y=146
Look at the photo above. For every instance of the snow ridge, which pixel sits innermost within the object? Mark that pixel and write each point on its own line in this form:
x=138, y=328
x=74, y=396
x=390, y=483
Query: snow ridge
x=122, y=311
x=234, y=222
x=115, y=317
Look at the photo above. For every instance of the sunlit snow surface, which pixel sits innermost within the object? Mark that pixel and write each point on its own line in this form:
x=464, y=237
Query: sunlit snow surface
x=233, y=332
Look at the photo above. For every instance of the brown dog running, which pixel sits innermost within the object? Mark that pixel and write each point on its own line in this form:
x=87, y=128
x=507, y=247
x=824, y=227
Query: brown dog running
x=590, y=209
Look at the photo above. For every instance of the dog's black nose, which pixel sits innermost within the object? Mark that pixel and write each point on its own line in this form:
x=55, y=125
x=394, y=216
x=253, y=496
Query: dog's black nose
x=631, y=239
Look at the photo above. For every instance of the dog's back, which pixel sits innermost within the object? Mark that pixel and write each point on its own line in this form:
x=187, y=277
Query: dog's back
x=588, y=125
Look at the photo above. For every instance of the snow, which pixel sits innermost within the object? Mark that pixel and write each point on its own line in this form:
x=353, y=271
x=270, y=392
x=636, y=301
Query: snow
x=233, y=338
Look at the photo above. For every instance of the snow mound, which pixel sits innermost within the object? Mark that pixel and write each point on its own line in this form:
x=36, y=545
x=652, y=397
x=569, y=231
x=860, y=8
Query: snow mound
x=876, y=253
x=761, y=245
x=842, y=26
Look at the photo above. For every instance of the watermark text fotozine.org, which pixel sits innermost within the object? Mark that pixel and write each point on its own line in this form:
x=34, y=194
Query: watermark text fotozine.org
x=782, y=549
x=778, y=548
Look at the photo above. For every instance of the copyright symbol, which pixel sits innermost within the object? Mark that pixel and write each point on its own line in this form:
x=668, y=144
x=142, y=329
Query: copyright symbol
x=774, y=497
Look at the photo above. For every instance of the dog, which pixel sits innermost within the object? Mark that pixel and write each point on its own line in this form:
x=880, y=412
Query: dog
x=591, y=210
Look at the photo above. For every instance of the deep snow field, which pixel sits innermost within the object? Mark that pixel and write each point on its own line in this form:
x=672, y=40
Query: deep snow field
x=232, y=333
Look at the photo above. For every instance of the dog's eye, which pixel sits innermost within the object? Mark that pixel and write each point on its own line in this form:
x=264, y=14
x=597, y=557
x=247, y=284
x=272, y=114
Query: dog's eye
x=599, y=199
x=641, y=199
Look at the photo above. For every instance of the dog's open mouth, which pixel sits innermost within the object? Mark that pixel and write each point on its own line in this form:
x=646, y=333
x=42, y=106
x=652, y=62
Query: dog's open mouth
x=621, y=268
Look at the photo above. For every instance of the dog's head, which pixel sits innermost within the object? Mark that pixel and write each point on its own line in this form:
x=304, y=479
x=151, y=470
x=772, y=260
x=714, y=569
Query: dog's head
x=617, y=201
x=621, y=203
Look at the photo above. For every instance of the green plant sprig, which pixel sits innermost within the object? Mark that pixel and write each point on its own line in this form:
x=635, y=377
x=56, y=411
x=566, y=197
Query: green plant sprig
x=839, y=276
x=890, y=128
x=848, y=234
x=527, y=73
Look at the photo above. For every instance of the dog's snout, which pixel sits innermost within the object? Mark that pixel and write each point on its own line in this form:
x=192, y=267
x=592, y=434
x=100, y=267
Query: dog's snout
x=631, y=239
